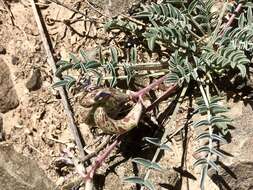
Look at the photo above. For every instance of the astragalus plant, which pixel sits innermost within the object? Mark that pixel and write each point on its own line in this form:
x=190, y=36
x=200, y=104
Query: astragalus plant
x=202, y=42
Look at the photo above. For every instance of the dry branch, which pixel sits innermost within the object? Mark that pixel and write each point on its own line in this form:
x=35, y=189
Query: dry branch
x=73, y=9
x=62, y=92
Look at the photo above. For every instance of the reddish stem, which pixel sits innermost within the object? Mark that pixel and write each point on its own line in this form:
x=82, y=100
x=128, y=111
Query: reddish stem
x=140, y=93
x=168, y=92
x=100, y=159
x=231, y=19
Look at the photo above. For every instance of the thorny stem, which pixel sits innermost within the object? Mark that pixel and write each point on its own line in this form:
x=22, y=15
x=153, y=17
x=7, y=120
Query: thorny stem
x=166, y=132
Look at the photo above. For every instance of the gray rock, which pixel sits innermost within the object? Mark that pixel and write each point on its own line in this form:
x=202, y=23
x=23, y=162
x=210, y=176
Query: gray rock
x=19, y=172
x=34, y=82
x=8, y=96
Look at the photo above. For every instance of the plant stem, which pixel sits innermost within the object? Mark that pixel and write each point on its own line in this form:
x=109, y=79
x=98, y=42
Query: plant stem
x=196, y=24
x=231, y=19
x=133, y=20
x=99, y=160
x=73, y=9
x=95, y=9
x=140, y=75
x=144, y=66
x=195, y=35
x=166, y=132
x=168, y=92
x=214, y=36
x=98, y=149
x=145, y=90
x=206, y=98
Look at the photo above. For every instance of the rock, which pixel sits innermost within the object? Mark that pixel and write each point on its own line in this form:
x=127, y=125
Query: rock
x=19, y=172
x=8, y=96
x=34, y=82
x=1, y=129
x=242, y=135
x=2, y=50
x=14, y=60
x=238, y=176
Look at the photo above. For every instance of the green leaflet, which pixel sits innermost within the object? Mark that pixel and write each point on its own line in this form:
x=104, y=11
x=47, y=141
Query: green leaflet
x=147, y=163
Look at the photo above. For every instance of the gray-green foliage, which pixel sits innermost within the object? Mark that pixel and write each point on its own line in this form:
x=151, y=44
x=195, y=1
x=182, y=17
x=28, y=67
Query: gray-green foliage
x=242, y=35
x=95, y=71
x=200, y=51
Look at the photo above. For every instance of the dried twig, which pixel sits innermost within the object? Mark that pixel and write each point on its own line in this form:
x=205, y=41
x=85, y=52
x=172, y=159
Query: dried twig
x=133, y=20
x=73, y=9
x=124, y=16
x=56, y=140
x=9, y=11
x=51, y=62
x=95, y=9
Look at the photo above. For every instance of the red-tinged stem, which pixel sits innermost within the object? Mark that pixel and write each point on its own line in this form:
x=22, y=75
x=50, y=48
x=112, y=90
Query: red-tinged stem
x=100, y=159
x=140, y=93
x=168, y=92
x=231, y=19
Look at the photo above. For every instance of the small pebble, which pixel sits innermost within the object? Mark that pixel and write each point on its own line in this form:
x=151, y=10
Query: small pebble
x=60, y=181
x=37, y=59
x=57, y=131
x=37, y=47
x=14, y=60
x=2, y=50
x=34, y=82
x=28, y=131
